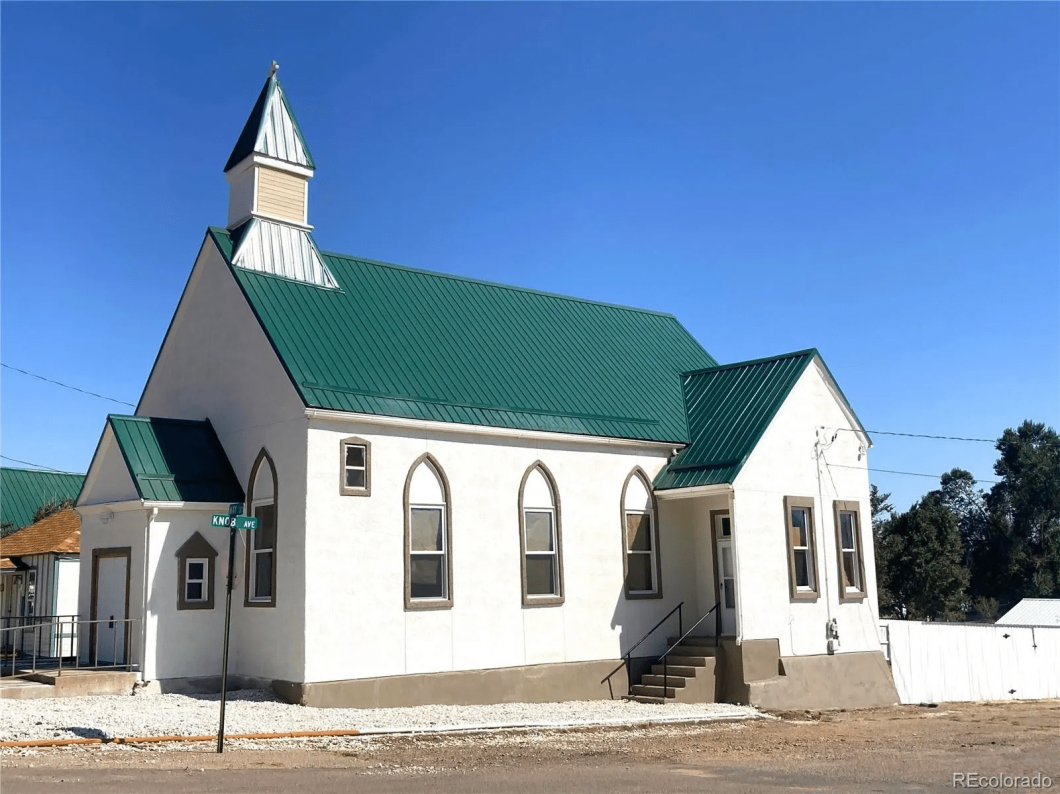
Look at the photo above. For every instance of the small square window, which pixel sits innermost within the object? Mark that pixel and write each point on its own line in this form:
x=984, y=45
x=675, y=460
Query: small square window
x=355, y=473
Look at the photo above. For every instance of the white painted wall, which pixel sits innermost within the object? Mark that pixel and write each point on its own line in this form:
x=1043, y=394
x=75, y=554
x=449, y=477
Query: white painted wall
x=940, y=662
x=108, y=478
x=125, y=528
x=356, y=622
x=184, y=643
x=217, y=363
x=783, y=465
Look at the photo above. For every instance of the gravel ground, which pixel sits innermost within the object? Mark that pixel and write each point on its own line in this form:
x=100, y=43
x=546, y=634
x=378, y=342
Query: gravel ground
x=258, y=711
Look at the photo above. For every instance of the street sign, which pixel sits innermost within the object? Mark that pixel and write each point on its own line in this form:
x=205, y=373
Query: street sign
x=221, y=520
x=246, y=522
x=235, y=509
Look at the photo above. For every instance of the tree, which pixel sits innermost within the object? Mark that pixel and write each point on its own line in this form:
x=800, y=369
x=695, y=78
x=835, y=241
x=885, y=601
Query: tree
x=51, y=507
x=1021, y=555
x=920, y=562
x=879, y=505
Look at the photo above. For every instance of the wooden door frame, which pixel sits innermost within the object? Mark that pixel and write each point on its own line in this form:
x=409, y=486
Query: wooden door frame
x=714, y=515
x=115, y=551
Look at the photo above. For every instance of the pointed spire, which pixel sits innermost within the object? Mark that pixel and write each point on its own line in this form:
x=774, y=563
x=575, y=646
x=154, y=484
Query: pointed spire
x=271, y=130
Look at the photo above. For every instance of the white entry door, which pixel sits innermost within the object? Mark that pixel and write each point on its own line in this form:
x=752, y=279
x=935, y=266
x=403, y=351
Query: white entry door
x=111, y=587
x=726, y=574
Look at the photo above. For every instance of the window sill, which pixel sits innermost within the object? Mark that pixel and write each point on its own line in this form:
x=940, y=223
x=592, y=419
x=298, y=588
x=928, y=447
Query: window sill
x=635, y=595
x=542, y=601
x=259, y=602
x=355, y=492
x=805, y=595
x=182, y=605
x=428, y=603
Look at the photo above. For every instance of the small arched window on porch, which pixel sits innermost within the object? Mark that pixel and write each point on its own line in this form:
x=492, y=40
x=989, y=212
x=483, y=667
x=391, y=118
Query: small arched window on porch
x=540, y=538
x=261, y=543
x=640, y=538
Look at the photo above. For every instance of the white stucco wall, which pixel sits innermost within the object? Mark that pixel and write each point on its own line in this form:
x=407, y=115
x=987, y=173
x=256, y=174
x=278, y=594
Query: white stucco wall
x=782, y=465
x=123, y=528
x=356, y=622
x=216, y=363
x=108, y=479
x=184, y=643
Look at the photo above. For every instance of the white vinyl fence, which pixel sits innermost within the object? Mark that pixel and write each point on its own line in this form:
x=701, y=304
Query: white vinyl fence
x=939, y=662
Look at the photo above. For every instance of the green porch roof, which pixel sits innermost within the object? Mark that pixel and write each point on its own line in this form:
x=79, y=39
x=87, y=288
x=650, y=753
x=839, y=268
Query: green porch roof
x=729, y=409
x=410, y=343
x=175, y=460
x=22, y=491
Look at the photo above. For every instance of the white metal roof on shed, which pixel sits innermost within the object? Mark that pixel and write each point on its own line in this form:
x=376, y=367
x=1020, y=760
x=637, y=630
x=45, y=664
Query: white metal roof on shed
x=1032, y=612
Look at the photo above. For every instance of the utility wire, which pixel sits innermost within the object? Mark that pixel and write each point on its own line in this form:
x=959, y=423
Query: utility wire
x=907, y=473
x=950, y=438
x=38, y=466
x=66, y=385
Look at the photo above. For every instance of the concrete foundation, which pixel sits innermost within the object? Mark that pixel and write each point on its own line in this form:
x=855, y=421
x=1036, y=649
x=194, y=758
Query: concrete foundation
x=544, y=683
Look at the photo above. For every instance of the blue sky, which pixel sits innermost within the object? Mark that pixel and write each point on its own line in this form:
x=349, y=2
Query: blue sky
x=879, y=181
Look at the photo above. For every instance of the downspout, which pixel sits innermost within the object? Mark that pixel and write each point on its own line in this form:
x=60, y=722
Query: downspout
x=152, y=512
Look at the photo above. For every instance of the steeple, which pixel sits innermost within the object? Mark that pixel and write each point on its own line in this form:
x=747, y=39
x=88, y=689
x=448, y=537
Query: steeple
x=270, y=167
x=269, y=172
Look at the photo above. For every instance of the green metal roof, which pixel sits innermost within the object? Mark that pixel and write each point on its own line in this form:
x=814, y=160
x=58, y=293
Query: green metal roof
x=411, y=343
x=175, y=460
x=22, y=491
x=248, y=138
x=729, y=408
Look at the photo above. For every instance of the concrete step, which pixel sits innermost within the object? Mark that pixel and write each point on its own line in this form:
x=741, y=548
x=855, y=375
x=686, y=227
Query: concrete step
x=73, y=683
x=683, y=670
x=704, y=641
x=691, y=652
x=644, y=699
x=671, y=679
x=20, y=689
x=654, y=691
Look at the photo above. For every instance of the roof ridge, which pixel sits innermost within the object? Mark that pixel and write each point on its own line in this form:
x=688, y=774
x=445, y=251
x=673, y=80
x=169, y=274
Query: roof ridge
x=42, y=471
x=498, y=284
x=173, y=420
x=751, y=362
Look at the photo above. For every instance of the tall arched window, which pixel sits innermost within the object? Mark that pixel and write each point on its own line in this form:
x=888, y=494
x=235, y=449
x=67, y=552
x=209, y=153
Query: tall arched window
x=539, y=536
x=261, y=542
x=428, y=537
x=640, y=538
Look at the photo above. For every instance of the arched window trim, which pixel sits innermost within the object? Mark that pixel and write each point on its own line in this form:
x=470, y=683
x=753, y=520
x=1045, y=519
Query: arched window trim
x=657, y=592
x=542, y=600
x=429, y=603
x=254, y=502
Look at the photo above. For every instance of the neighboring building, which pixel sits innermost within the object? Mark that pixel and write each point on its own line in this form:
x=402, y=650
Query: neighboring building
x=467, y=492
x=24, y=491
x=1032, y=612
x=39, y=569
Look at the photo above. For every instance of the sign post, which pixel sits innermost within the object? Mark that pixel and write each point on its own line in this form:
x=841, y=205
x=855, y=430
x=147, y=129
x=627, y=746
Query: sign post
x=235, y=521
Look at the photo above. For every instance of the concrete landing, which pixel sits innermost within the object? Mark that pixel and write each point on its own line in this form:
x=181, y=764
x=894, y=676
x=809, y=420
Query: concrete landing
x=69, y=683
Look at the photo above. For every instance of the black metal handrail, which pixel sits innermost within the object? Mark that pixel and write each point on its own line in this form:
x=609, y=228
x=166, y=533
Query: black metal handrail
x=684, y=636
x=628, y=654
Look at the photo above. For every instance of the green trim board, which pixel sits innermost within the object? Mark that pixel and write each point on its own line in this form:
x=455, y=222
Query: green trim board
x=402, y=342
x=729, y=408
x=22, y=491
x=175, y=460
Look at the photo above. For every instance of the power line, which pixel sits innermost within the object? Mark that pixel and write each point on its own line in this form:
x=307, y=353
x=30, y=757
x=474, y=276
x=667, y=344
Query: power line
x=907, y=473
x=953, y=438
x=66, y=385
x=37, y=465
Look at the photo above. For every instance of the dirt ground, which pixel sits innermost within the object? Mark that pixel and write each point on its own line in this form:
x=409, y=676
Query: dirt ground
x=907, y=748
